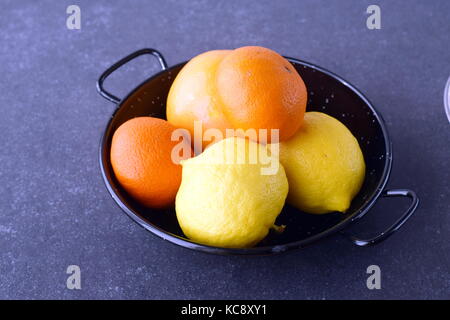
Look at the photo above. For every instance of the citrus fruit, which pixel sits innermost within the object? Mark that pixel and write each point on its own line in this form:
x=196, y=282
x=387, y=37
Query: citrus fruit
x=260, y=89
x=324, y=165
x=192, y=96
x=141, y=158
x=246, y=88
x=225, y=199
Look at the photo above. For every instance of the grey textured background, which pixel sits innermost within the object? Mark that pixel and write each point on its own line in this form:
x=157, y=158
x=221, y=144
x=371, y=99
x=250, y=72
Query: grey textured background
x=55, y=210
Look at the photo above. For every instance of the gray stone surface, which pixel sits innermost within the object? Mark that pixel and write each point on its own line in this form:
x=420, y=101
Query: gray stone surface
x=55, y=210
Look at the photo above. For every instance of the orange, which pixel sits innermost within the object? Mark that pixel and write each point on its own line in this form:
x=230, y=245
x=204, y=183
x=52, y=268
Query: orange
x=193, y=96
x=245, y=88
x=260, y=89
x=141, y=157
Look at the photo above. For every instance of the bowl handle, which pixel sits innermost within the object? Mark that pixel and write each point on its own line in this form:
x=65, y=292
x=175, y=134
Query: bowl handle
x=397, y=225
x=108, y=96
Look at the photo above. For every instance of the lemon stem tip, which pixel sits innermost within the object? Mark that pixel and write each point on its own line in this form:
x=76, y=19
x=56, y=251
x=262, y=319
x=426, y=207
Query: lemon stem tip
x=278, y=229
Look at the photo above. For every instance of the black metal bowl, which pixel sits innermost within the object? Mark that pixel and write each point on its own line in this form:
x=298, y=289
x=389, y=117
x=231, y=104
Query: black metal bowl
x=328, y=93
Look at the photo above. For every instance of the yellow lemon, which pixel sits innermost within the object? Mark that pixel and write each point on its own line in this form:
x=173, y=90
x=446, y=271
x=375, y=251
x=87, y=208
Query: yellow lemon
x=227, y=197
x=324, y=165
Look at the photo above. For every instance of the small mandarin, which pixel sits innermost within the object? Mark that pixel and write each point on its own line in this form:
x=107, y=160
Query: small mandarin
x=141, y=157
